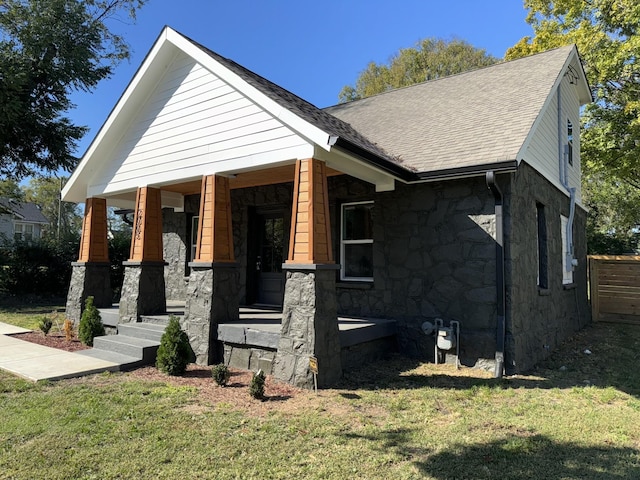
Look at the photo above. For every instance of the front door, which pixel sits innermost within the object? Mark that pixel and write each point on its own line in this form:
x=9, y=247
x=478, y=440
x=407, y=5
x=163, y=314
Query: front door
x=269, y=277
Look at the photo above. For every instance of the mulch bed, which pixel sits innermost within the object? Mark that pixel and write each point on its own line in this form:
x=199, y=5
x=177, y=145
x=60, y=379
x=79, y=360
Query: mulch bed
x=53, y=340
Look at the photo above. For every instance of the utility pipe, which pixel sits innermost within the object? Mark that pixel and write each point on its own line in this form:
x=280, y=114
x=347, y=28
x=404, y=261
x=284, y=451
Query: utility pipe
x=500, y=283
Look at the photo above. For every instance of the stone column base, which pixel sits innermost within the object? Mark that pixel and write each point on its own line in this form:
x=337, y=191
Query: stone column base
x=309, y=327
x=212, y=298
x=88, y=280
x=143, y=291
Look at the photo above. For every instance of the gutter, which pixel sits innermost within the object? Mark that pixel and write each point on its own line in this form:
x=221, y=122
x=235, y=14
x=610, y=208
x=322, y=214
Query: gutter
x=500, y=283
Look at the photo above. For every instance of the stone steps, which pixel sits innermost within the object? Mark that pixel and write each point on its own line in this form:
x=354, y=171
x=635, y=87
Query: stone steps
x=135, y=345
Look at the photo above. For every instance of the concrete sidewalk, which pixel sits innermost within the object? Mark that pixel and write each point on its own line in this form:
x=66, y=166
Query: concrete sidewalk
x=36, y=362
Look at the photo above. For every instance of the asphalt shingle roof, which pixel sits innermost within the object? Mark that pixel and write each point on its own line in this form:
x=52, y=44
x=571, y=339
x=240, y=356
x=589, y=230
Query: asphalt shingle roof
x=467, y=120
x=28, y=212
x=474, y=118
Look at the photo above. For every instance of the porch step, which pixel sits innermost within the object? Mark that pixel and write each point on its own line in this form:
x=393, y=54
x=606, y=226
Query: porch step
x=136, y=344
x=149, y=331
x=125, y=362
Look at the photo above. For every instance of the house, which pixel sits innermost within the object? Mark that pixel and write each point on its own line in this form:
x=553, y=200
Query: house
x=452, y=205
x=20, y=221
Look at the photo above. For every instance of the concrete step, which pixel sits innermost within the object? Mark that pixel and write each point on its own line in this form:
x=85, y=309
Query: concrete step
x=141, y=348
x=125, y=362
x=150, y=331
x=109, y=317
x=155, y=319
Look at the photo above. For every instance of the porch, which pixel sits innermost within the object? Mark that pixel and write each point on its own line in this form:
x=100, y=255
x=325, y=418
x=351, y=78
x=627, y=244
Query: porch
x=251, y=342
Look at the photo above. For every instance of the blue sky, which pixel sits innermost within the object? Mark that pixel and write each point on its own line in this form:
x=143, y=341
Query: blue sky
x=310, y=48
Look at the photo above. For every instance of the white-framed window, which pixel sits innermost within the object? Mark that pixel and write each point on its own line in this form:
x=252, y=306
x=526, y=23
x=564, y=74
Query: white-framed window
x=567, y=274
x=23, y=232
x=356, y=242
x=194, y=236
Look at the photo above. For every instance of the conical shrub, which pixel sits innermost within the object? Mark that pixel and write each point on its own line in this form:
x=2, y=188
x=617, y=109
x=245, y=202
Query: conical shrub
x=174, y=352
x=91, y=325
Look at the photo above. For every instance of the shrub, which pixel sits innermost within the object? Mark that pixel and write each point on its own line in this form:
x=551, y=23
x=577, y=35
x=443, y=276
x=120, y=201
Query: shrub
x=174, y=352
x=256, y=387
x=45, y=325
x=221, y=374
x=91, y=325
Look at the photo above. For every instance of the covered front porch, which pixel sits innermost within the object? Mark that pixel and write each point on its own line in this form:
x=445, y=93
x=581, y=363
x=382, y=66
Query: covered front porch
x=251, y=342
x=223, y=265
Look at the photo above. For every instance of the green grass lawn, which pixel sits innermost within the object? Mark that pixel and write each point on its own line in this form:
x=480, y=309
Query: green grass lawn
x=575, y=417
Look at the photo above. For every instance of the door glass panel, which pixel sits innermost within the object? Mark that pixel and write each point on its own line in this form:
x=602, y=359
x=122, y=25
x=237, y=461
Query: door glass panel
x=272, y=245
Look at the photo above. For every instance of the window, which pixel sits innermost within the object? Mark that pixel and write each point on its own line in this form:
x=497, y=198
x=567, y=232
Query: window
x=570, y=142
x=543, y=280
x=567, y=275
x=356, y=242
x=23, y=232
x=194, y=236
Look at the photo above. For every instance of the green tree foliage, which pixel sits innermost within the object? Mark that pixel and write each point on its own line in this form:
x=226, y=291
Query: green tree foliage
x=174, y=352
x=431, y=58
x=10, y=189
x=607, y=33
x=48, y=49
x=64, y=217
x=91, y=325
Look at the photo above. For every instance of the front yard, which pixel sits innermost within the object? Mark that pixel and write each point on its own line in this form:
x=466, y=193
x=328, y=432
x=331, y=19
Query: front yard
x=576, y=416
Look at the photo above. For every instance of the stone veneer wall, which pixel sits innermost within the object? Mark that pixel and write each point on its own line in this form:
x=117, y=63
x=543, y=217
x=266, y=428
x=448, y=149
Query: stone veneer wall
x=539, y=320
x=434, y=257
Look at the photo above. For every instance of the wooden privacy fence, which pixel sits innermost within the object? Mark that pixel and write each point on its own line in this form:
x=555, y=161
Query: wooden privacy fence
x=615, y=288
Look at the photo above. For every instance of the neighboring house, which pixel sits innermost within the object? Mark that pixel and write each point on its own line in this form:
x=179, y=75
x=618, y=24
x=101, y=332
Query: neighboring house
x=20, y=221
x=455, y=200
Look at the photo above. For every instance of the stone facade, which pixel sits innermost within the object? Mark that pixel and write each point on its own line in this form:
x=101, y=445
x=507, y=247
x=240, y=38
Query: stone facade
x=175, y=245
x=309, y=327
x=88, y=279
x=143, y=291
x=212, y=298
x=434, y=257
x=538, y=320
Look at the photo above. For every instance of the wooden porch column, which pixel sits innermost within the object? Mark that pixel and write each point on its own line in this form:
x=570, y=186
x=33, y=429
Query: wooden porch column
x=215, y=235
x=91, y=273
x=310, y=240
x=143, y=289
x=309, y=312
x=214, y=281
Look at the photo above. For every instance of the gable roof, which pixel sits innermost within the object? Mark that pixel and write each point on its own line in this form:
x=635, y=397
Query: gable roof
x=477, y=118
x=456, y=125
x=25, y=211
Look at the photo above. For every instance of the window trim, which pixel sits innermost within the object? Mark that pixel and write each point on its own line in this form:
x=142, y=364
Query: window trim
x=570, y=142
x=194, y=237
x=344, y=242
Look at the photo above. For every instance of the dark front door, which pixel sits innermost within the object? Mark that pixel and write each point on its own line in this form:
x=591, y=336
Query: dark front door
x=269, y=278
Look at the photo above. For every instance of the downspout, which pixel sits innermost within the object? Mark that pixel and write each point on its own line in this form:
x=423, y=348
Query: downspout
x=500, y=283
x=563, y=163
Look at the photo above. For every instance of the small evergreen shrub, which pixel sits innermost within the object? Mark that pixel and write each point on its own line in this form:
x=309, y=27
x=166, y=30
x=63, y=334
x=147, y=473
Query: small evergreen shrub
x=174, y=352
x=45, y=325
x=221, y=374
x=256, y=387
x=91, y=325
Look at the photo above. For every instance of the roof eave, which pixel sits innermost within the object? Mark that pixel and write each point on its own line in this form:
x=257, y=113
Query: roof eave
x=506, y=166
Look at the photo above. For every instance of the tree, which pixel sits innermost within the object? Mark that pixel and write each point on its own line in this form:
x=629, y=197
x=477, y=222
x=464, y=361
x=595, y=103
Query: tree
x=48, y=49
x=11, y=189
x=430, y=59
x=607, y=33
x=64, y=217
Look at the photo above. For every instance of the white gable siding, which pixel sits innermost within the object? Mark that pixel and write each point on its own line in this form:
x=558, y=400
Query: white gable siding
x=542, y=152
x=193, y=123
